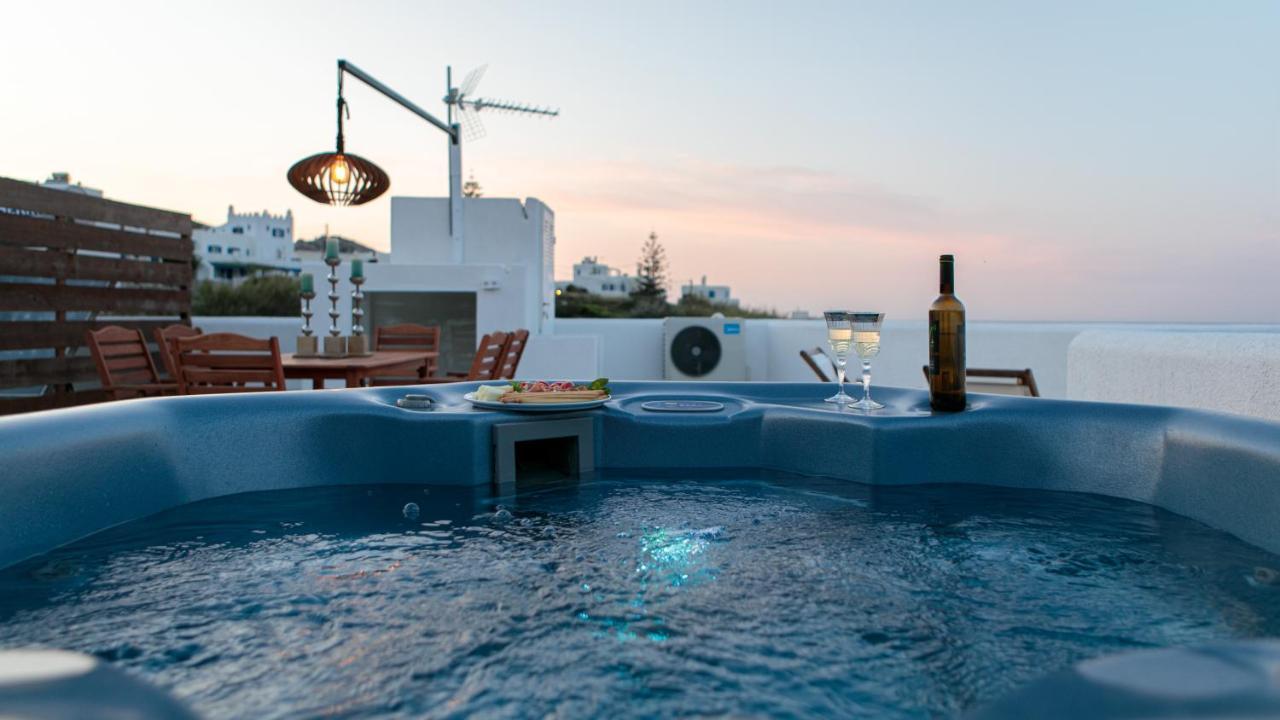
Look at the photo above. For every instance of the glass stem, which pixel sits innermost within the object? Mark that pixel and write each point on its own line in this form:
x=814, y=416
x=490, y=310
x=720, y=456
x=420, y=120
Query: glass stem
x=866, y=381
x=840, y=378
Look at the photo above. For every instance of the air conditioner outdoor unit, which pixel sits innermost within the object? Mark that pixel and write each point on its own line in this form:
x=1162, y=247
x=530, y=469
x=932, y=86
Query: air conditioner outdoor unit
x=703, y=349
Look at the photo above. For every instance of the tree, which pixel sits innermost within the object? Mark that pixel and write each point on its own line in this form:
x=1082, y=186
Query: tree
x=651, y=273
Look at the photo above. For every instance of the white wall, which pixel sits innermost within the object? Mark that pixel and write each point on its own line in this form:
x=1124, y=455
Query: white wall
x=517, y=237
x=632, y=349
x=629, y=349
x=1190, y=366
x=499, y=289
x=904, y=350
x=561, y=357
x=566, y=357
x=1231, y=372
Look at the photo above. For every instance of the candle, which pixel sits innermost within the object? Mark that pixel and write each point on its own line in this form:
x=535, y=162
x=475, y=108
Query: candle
x=331, y=249
x=357, y=268
x=308, y=283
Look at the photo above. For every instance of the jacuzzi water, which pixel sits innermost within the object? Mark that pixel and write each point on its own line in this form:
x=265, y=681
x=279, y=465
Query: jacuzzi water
x=630, y=598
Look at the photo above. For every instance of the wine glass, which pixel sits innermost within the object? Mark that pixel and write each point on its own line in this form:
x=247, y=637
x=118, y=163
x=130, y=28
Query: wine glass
x=840, y=337
x=866, y=343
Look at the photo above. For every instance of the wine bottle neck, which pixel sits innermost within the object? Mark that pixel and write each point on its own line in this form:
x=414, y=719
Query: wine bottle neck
x=947, y=279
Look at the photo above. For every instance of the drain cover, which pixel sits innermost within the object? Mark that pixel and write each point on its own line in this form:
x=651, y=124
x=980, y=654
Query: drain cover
x=414, y=402
x=682, y=406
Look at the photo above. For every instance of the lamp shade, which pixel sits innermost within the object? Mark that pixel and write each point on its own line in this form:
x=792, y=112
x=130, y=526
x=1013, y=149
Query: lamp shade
x=335, y=178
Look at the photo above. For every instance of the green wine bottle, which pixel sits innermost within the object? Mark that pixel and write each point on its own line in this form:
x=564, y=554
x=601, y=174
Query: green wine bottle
x=946, y=343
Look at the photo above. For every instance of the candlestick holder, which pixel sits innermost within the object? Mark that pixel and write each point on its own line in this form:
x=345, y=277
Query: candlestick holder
x=358, y=343
x=335, y=345
x=307, y=341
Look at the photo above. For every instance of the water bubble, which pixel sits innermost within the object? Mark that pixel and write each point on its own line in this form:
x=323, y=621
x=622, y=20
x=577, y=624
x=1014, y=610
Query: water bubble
x=623, y=535
x=411, y=511
x=502, y=514
x=586, y=587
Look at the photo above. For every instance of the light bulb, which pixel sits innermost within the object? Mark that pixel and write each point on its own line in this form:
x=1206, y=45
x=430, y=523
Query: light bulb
x=339, y=173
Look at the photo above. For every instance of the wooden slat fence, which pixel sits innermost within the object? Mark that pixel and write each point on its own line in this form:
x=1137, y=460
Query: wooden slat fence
x=69, y=263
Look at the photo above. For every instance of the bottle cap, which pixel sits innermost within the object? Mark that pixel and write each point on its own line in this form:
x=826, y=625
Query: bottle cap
x=948, y=258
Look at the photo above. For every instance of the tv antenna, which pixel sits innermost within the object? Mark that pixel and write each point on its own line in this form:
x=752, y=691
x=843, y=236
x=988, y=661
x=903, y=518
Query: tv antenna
x=469, y=107
x=342, y=178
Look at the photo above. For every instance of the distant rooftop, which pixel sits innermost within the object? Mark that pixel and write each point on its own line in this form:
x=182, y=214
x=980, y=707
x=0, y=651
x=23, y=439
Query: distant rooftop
x=62, y=181
x=345, y=245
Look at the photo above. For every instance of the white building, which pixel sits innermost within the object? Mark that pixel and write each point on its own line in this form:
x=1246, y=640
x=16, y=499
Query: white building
x=713, y=293
x=499, y=278
x=247, y=244
x=62, y=181
x=597, y=278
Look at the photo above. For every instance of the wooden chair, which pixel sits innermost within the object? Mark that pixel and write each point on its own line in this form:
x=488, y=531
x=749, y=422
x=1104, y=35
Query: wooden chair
x=406, y=336
x=998, y=382
x=487, y=362
x=227, y=363
x=124, y=363
x=165, y=337
x=511, y=356
x=810, y=359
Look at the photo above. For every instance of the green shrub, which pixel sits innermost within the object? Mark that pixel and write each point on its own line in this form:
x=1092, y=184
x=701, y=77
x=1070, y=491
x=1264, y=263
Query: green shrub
x=269, y=295
x=573, y=302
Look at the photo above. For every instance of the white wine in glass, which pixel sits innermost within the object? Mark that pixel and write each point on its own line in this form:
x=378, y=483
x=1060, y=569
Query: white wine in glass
x=866, y=343
x=840, y=338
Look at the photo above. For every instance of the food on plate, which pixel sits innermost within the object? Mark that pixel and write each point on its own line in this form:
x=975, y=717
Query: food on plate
x=491, y=393
x=540, y=391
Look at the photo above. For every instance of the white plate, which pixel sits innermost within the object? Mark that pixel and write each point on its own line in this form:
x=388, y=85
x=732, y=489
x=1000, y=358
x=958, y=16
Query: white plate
x=534, y=407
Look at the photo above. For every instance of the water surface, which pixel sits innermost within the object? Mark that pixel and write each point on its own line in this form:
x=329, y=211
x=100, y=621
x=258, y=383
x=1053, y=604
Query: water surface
x=635, y=598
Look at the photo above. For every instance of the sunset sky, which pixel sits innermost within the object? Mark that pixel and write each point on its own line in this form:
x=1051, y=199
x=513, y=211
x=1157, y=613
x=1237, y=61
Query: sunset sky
x=1084, y=160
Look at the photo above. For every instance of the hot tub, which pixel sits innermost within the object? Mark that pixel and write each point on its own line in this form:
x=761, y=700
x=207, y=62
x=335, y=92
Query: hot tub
x=858, y=564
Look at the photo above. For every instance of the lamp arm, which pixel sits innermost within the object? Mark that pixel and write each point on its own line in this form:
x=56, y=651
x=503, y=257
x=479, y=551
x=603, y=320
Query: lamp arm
x=367, y=79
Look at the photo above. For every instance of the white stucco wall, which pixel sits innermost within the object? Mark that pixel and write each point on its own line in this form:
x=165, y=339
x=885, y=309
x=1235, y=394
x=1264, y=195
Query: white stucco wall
x=629, y=349
x=1189, y=366
x=516, y=237
x=561, y=357
x=1237, y=372
x=904, y=350
x=632, y=349
x=499, y=290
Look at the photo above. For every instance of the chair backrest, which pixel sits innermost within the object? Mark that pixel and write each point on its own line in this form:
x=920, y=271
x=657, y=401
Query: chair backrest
x=165, y=337
x=488, y=359
x=810, y=358
x=407, y=336
x=998, y=381
x=122, y=358
x=511, y=357
x=227, y=363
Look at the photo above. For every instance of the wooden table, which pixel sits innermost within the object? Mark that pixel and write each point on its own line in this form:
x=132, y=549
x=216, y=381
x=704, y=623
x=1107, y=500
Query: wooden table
x=354, y=369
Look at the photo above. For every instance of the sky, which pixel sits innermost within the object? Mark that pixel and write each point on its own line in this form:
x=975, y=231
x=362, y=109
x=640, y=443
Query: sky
x=1084, y=160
